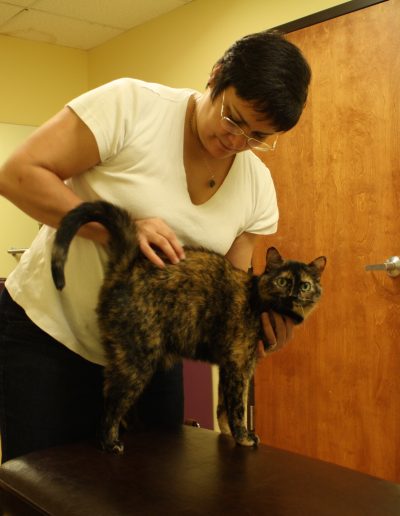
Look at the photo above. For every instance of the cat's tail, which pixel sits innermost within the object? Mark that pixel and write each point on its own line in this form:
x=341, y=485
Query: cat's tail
x=122, y=247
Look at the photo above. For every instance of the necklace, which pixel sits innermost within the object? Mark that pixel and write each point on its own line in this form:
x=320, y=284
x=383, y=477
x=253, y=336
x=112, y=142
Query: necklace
x=211, y=180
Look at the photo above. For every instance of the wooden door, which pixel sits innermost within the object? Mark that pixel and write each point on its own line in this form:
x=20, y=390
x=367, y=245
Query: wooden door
x=334, y=392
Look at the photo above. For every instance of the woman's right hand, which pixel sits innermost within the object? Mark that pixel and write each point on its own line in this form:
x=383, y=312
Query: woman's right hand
x=155, y=233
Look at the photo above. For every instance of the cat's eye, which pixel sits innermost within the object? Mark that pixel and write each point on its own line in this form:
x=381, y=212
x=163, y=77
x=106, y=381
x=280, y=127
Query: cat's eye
x=281, y=282
x=305, y=286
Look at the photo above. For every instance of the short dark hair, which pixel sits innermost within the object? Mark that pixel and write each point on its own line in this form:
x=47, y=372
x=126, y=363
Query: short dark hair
x=270, y=72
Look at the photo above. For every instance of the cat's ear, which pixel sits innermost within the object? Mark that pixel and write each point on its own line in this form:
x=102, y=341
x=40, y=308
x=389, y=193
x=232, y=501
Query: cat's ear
x=273, y=257
x=319, y=263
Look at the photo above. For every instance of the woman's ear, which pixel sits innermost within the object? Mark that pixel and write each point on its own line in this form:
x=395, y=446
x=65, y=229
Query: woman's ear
x=214, y=73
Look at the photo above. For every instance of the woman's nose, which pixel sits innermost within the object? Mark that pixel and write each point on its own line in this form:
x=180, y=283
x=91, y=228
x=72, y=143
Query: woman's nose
x=237, y=141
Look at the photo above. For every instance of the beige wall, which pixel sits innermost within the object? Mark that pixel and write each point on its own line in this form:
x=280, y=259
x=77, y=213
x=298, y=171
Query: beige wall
x=178, y=49
x=37, y=79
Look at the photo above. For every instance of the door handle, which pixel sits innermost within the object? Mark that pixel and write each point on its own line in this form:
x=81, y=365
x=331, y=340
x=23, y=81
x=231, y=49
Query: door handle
x=391, y=266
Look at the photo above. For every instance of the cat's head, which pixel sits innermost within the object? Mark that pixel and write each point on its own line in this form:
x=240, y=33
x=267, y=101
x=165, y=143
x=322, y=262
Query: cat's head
x=289, y=287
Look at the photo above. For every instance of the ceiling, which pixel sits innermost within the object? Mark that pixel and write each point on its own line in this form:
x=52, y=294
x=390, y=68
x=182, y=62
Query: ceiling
x=82, y=24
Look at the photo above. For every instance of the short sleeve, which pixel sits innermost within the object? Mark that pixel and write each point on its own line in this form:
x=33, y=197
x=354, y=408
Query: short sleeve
x=105, y=111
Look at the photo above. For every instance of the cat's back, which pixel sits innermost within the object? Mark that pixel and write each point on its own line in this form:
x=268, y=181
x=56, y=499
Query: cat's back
x=203, y=278
x=200, y=265
x=202, y=274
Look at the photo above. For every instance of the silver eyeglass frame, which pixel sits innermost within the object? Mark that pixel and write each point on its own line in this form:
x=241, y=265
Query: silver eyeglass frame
x=232, y=128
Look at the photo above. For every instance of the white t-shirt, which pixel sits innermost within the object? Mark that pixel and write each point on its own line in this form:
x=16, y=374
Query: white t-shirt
x=139, y=129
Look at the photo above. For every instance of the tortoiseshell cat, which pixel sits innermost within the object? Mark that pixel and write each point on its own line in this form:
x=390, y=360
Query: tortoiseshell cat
x=202, y=308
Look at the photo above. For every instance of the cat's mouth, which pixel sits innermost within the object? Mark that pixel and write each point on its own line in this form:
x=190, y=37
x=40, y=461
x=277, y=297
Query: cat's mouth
x=296, y=317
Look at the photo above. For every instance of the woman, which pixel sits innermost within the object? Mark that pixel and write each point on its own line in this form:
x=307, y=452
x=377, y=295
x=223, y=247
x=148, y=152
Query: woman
x=182, y=163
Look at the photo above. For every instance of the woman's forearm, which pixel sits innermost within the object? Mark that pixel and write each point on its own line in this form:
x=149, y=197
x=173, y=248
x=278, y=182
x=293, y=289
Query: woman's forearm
x=33, y=177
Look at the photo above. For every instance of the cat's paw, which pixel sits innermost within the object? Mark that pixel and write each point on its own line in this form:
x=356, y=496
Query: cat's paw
x=248, y=439
x=116, y=447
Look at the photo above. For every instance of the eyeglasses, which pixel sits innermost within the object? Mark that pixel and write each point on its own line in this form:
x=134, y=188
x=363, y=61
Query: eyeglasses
x=232, y=128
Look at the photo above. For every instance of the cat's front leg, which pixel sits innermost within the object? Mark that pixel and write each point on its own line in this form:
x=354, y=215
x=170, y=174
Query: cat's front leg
x=234, y=386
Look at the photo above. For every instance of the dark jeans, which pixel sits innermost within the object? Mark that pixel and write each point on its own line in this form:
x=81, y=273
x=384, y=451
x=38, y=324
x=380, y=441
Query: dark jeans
x=49, y=395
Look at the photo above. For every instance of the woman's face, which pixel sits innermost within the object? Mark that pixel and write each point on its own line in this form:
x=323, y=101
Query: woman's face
x=219, y=142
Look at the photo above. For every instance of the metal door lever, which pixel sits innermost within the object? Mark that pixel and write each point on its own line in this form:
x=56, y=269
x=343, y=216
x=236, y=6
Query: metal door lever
x=391, y=266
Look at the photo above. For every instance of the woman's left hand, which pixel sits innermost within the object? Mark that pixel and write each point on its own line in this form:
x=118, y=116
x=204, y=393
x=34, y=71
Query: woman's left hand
x=280, y=330
x=277, y=333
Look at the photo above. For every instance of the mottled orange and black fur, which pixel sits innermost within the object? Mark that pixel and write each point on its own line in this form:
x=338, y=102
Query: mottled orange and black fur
x=202, y=308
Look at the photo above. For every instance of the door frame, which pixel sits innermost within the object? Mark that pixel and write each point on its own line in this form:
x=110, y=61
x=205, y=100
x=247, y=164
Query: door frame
x=326, y=14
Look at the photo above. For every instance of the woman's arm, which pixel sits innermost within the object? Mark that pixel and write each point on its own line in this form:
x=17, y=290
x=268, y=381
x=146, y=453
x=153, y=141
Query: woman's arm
x=33, y=177
x=242, y=250
x=240, y=255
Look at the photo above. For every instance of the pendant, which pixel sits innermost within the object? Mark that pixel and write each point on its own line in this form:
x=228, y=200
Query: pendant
x=211, y=182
